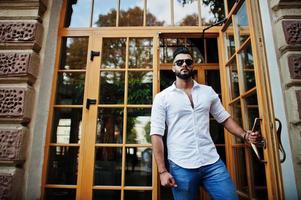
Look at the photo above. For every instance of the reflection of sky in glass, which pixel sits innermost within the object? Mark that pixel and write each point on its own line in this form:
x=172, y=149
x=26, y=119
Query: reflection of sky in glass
x=206, y=14
x=242, y=16
x=182, y=11
x=102, y=7
x=126, y=4
x=160, y=9
x=81, y=14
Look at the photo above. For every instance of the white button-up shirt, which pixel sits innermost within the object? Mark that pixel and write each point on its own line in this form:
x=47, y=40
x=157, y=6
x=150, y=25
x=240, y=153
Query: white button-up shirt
x=189, y=143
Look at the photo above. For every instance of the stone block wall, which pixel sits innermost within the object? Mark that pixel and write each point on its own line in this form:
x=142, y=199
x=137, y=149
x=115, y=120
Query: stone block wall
x=286, y=15
x=21, y=30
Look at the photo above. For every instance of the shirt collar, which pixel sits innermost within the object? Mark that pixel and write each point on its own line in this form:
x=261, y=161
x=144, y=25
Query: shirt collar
x=195, y=84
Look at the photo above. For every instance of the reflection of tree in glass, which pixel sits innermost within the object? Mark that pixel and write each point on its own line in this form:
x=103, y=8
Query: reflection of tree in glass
x=140, y=88
x=190, y=20
x=71, y=85
x=130, y=17
x=70, y=88
x=113, y=54
x=140, y=53
x=74, y=53
x=217, y=9
x=112, y=88
x=132, y=121
x=147, y=131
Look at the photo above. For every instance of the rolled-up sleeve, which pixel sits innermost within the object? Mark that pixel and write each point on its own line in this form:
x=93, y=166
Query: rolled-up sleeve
x=158, y=116
x=217, y=110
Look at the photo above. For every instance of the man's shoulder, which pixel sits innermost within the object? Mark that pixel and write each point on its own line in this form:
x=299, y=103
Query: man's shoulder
x=204, y=87
x=165, y=91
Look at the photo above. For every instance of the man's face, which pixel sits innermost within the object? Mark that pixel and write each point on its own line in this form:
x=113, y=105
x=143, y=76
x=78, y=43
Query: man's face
x=183, y=66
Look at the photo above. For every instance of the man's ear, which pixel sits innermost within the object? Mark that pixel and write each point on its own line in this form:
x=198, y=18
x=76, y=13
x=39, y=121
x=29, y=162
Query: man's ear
x=173, y=68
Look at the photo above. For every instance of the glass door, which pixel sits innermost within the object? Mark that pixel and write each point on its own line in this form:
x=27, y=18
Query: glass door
x=244, y=91
x=99, y=145
x=118, y=155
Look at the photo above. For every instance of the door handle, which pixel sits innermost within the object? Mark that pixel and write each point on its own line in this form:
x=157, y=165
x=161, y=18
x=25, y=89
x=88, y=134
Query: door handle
x=93, y=54
x=90, y=102
x=262, y=143
x=278, y=132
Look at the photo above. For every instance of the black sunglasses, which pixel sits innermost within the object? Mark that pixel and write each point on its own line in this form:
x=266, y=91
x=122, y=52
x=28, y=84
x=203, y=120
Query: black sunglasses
x=180, y=62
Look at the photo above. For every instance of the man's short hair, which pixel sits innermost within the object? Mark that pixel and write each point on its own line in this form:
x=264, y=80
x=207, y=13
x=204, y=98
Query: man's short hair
x=181, y=50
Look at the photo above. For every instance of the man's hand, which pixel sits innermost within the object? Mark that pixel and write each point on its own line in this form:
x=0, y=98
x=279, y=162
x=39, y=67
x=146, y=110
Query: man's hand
x=167, y=180
x=252, y=137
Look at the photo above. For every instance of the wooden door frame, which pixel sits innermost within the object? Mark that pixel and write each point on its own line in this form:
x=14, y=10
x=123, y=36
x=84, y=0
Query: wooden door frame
x=271, y=155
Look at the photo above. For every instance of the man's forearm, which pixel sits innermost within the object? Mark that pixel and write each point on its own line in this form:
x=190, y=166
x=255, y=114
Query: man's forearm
x=158, y=150
x=234, y=128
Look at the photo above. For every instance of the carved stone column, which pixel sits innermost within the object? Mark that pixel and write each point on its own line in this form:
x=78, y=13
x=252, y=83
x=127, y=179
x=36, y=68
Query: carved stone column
x=20, y=42
x=286, y=15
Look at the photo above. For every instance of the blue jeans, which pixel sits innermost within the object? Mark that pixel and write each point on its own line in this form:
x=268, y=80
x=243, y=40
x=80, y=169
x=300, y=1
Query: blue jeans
x=214, y=178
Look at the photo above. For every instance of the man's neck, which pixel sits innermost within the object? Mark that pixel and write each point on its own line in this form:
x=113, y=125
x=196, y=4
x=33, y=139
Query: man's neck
x=184, y=84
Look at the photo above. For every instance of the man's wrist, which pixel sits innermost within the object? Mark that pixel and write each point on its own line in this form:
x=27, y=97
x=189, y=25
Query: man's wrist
x=245, y=136
x=162, y=172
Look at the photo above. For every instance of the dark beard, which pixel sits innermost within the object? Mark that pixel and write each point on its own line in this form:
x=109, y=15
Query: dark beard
x=184, y=76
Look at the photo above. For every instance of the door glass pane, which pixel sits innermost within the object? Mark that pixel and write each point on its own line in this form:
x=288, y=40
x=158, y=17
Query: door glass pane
x=212, y=11
x=111, y=88
x=217, y=132
x=59, y=194
x=138, y=171
x=66, y=125
x=242, y=24
x=113, y=53
x=186, y=13
x=233, y=76
x=107, y=167
x=212, y=78
x=230, y=42
x=70, y=88
x=104, y=13
x=237, y=116
x=167, y=77
x=258, y=172
x=252, y=108
x=240, y=169
x=140, y=87
x=106, y=194
x=131, y=12
x=78, y=13
x=212, y=50
x=248, y=67
x=158, y=13
x=196, y=45
x=167, y=47
x=221, y=152
x=138, y=126
x=109, y=125
x=141, y=53
x=141, y=194
x=230, y=4
x=62, y=165
x=74, y=53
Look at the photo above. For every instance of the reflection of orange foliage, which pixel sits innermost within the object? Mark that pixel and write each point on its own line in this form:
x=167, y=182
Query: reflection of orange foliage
x=190, y=20
x=130, y=17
